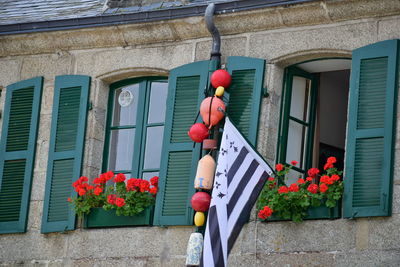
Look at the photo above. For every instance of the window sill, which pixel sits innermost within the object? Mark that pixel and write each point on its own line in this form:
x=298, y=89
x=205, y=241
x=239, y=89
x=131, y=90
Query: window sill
x=98, y=217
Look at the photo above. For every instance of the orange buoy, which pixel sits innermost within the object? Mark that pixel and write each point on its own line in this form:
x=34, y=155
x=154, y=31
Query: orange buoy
x=217, y=108
x=205, y=173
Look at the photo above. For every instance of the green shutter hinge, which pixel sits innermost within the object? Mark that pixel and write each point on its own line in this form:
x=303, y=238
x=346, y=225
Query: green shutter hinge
x=265, y=92
x=90, y=107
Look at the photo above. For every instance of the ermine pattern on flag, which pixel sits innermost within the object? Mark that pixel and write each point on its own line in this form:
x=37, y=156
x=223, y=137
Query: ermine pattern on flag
x=239, y=178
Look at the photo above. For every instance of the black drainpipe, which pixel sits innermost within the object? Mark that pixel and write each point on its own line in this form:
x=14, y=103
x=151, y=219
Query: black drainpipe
x=216, y=44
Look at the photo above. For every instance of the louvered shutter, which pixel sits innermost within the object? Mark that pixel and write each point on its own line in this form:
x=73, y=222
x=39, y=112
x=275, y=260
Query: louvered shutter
x=17, y=152
x=245, y=94
x=70, y=106
x=179, y=156
x=371, y=130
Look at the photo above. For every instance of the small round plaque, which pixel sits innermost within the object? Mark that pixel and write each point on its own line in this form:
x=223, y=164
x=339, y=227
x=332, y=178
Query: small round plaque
x=125, y=98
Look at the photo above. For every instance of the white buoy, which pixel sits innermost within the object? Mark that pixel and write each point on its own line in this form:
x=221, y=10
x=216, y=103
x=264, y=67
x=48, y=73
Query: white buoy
x=194, y=249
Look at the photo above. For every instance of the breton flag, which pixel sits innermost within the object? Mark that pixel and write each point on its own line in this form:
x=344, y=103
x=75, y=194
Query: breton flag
x=239, y=178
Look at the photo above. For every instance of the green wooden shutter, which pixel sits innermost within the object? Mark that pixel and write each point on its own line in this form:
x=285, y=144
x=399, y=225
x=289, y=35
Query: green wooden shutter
x=179, y=156
x=371, y=130
x=17, y=152
x=245, y=94
x=70, y=106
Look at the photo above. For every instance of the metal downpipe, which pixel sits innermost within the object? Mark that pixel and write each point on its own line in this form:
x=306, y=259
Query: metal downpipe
x=216, y=44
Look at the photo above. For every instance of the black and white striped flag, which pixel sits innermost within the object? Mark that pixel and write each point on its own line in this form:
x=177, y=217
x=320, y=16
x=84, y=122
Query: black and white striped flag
x=239, y=178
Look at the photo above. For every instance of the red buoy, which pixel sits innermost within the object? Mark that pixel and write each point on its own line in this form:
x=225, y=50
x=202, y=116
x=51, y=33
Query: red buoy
x=221, y=78
x=198, y=132
x=201, y=201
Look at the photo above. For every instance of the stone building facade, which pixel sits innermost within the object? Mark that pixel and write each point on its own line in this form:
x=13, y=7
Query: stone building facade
x=283, y=35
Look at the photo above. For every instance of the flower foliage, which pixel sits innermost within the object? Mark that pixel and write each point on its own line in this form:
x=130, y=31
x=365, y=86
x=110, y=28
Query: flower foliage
x=291, y=202
x=110, y=191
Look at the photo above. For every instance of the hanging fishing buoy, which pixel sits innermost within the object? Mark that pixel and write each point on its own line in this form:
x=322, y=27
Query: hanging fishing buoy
x=219, y=91
x=199, y=218
x=205, y=173
x=201, y=201
x=221, y=78
x=212, y=110
x=198, y=132
x=194, y=249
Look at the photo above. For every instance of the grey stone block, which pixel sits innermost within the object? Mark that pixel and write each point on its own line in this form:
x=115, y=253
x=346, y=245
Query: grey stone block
x=9, y=72
x=369, y=258
x=229, y=47
x=383, y=233
x=33, y=246
x=313, y=41
x=38, y=185
x=331, y=235
x=386, y=28
x=297, y=259
x=159, y=57
x=116, y=242
x=48, y=66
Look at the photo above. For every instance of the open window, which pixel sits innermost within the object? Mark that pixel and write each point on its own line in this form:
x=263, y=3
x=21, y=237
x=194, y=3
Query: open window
x=314, y=114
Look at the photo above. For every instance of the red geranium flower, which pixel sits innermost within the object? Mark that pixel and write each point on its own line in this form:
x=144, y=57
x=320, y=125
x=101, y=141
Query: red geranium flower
x=120, y=202
x=283, y=190
x=265, y=213
x=294, y=188
x=83, y=179
x=154, y=181
x=326, y=179
x=323, y=188
x=153, y=190
x=81, y=192
x=335, y=177
x=271, y=179
x=328, y=166
x=301, y=181
x=279, y=167
x=313, y=172
x=144, y=186
x=98, y=190
x=119, y=178
x=294, y=163
x=312, y=188
x=111, y=199
x=331, y=160
x=309, y=179
x=69, y=199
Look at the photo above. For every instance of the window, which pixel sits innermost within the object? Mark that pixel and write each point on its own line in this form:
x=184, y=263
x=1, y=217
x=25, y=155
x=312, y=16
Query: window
x=135, y=127
x=313, y=121
x=313, y=124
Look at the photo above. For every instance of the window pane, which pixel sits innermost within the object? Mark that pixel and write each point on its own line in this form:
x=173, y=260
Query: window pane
x=125, y=105
x=296, y=143
x=121, y=149
x=158, y=98
x=154, y=139
x=299, y=106
x=148, y=175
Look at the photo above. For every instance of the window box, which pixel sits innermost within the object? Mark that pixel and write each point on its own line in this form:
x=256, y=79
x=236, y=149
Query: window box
x=314, y=213
x=98, y=217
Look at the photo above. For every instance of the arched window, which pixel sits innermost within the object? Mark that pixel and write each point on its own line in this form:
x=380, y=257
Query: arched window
x=135, y=126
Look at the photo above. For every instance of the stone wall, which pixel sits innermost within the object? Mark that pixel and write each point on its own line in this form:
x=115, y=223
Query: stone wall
x=282, y=36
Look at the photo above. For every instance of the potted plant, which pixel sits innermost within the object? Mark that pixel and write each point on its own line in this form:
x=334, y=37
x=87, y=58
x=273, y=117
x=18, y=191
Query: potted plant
x=303, y=199
x=111, y=200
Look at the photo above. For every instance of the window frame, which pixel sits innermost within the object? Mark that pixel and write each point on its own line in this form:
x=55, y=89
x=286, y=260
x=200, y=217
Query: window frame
x=141, y=125
x=290, y=73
